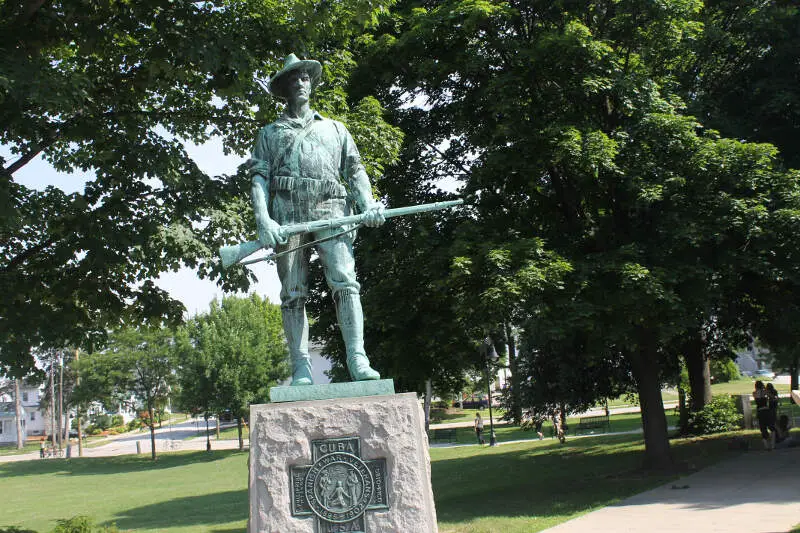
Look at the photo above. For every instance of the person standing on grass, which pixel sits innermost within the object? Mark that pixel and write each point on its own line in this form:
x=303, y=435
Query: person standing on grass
x=558, y=427
x=765, y=421
x=479, y=428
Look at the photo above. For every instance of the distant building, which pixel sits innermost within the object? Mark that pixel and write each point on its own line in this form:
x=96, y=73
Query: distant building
x=35, y=421
x=319, y=365
x=752, y=359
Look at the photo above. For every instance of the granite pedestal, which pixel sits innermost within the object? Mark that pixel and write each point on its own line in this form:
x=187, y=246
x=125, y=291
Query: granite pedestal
x=346, y=464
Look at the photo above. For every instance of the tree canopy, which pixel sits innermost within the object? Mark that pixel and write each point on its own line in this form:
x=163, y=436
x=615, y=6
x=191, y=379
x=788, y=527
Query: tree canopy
x=231, y=356
x=565, y=125
x=117, y=89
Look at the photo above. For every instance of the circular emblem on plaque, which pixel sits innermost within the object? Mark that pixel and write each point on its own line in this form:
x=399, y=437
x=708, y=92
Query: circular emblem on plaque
x=339, y=487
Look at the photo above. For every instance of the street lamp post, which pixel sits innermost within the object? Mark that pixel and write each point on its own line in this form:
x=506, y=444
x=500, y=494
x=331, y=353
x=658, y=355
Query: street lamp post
x=491, y=357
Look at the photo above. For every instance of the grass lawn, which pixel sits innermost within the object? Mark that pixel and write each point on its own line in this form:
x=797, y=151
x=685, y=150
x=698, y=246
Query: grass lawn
x=454, y=414
x=740, y=386
x=11, y=449
x=504, y=433
x=515, y=488
x=231, y=433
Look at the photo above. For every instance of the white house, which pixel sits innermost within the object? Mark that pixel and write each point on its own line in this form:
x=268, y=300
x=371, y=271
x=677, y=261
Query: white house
x=35, y=421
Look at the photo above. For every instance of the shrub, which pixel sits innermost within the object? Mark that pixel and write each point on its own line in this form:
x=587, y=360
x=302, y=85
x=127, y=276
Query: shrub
x=82, y=524
x=719, y=415
x=117, y=420
x=102, y=421
x=724, y=371
x=440, y=404
x=12, y=529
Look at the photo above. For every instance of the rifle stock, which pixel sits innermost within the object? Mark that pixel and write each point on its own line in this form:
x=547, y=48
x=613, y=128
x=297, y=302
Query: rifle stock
x=233, y=254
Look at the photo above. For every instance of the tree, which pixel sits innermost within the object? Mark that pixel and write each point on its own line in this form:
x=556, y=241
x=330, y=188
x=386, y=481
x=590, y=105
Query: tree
x=231, y=355
x=743, y=80
x=138, y=363
x=118, y=89
x=565, y=123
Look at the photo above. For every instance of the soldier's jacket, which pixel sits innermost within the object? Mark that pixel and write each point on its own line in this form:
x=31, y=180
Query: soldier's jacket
x=312, y=167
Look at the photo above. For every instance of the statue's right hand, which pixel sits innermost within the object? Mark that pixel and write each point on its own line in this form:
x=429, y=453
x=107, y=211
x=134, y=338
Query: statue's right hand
x=270, y=234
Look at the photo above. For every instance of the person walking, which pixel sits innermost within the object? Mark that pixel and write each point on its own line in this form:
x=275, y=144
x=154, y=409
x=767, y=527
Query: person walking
x=479, y=428
x=765, y=421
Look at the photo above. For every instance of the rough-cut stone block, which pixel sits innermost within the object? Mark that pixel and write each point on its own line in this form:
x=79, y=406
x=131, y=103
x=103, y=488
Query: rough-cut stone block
x=299, y=447
x=329, y=391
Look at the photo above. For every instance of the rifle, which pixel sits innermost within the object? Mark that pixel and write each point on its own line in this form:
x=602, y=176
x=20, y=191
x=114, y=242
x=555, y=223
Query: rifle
x=236, y=253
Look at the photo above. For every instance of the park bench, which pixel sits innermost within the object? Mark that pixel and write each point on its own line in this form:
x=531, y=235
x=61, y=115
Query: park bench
x=442, y=435
x=593, y=422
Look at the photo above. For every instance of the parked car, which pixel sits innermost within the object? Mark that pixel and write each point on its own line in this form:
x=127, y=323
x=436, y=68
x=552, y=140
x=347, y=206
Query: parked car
x=764, y=373
x=476, y=402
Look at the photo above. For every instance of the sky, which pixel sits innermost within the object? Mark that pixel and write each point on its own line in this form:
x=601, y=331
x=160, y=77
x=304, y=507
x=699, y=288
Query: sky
x=184, y=285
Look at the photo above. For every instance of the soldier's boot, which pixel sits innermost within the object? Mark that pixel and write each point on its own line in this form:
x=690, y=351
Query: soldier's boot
x=295, y=327
x=351, y=322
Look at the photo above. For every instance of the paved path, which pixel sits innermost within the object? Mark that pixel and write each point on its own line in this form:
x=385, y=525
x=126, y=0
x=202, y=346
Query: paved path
x=168, y=439
x=756, y=492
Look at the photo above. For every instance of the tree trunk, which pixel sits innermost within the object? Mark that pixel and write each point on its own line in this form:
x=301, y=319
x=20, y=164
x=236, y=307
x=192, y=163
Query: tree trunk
x=217, y=426
x=19, y=413
x=80, y=435
x=65, y=429
x=239, y=428
x=152, y=431
x=698, y=367
x=793, y=376
x=657, y=453
x=516, y=393
x=208, y=436
x=427, y=403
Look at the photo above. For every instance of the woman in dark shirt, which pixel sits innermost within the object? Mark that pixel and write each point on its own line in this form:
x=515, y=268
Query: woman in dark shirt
x=765, y=420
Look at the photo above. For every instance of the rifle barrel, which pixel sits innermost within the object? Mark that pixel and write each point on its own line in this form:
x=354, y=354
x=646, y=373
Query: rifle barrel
x=237, y=252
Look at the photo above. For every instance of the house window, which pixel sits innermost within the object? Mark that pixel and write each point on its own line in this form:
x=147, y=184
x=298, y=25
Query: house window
x=33, y=416
x=24, y=396
x=1, y=426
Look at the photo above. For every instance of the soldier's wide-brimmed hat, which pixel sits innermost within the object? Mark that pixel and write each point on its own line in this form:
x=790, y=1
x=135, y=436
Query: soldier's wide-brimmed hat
x=277, y=83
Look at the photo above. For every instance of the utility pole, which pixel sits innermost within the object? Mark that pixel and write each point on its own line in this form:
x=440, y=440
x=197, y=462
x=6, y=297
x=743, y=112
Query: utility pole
x=77, y=407
x=52, y=403
x=60, y=401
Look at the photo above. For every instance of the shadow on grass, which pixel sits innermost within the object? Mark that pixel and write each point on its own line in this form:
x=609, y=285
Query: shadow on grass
x=88, y=466
x=217, y=508
x=230, y=530
x=550, y=479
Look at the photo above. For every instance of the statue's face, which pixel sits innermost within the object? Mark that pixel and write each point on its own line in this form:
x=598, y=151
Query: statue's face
x=298, y=87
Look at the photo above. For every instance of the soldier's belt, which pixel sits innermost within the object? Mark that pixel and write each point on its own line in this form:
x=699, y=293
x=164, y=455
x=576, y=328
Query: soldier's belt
x=324, y=187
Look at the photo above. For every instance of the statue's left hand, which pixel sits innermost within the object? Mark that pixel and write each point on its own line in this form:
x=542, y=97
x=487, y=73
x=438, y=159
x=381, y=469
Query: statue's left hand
x=374, y=215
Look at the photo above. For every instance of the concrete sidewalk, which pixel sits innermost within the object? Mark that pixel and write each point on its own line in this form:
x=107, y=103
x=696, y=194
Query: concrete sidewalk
x=756, y=492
